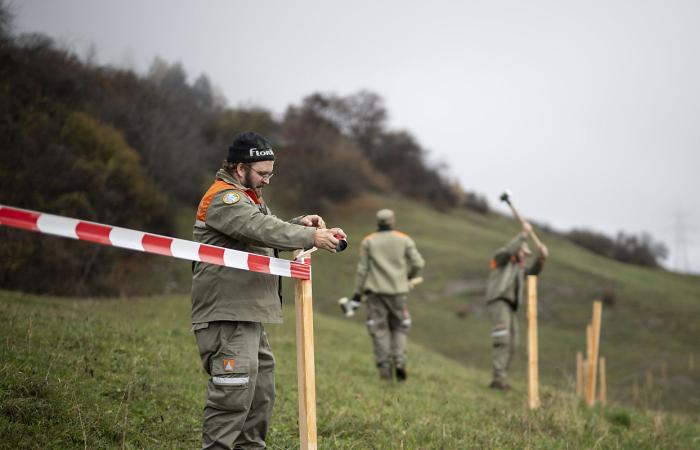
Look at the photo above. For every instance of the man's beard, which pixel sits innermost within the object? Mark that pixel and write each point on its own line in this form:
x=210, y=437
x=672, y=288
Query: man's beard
x=248, y=182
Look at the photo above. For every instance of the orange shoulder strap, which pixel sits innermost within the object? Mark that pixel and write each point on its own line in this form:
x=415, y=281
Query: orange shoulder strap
x=218, y=186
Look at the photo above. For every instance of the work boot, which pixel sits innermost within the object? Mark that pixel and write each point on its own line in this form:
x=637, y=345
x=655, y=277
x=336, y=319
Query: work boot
x=400, y=373
x=498, y=384
x=385, y=372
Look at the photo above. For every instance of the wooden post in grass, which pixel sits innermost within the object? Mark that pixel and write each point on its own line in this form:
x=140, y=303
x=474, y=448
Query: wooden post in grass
x=603, y=383
x=589, y=343
x=593, y=361
x=584, y=378
x=533, y=378
x=306, y=377
x=586, y=362
x=579, y=374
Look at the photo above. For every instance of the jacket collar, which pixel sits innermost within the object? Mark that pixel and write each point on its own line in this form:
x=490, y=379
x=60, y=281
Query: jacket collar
x=230, y=179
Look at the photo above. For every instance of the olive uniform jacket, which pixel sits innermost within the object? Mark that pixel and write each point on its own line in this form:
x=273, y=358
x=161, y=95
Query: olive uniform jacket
x=388, y=258
x=507, y=277
x=231, y=216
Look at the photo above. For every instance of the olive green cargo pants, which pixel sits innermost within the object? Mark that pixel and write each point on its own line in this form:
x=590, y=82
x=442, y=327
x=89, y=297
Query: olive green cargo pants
x=388, y=322
x=504, y=337
x=241, y=390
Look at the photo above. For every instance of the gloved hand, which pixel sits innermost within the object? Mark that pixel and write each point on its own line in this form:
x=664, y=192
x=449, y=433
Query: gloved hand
x=349, y=306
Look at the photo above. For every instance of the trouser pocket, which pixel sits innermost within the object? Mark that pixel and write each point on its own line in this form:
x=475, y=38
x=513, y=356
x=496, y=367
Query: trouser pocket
x=230, y=357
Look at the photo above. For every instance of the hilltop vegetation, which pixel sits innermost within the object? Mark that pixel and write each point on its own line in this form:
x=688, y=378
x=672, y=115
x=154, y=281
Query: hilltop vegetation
x=108, y=145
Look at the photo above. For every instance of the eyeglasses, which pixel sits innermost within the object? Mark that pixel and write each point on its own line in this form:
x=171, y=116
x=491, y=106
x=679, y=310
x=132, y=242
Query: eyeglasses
x=264, y=176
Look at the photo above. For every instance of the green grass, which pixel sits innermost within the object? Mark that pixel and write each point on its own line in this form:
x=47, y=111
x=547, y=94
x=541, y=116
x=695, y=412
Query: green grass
x=125, y=374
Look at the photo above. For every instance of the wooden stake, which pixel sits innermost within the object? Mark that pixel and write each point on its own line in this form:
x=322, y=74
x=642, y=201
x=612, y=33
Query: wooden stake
x=587, y=362
x=603, y=383
x=533, y=369
x=306, y=377
x=584, y=380
x=593, y=361
x=589, y=341
x=579, y=374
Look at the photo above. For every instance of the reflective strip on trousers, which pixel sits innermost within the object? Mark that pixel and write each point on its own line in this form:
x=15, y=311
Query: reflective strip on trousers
x=226, y=381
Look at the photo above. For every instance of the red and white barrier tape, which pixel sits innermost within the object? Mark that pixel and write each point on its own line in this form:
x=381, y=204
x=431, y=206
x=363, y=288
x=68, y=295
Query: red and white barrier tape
x=151, y=243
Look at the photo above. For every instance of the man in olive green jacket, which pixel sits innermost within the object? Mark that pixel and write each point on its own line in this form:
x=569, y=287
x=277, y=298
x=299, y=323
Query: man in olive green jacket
x=388, y=259
x=229, y=305
x=504, y=294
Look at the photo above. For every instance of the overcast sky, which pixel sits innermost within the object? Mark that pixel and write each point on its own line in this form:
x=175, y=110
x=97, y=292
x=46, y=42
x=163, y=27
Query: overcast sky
x=589, y=111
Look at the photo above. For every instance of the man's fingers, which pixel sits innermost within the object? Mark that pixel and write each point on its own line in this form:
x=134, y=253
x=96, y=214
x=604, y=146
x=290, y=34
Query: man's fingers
x=339, y=232
x=333, y=240
x=326, y=240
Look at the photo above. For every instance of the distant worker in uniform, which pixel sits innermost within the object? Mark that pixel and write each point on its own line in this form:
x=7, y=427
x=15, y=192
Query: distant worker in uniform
x=229, y=306
x=504, y=293
x=388, y=261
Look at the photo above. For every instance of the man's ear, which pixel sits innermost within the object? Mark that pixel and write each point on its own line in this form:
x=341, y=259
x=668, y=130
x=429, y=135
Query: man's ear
x=239, y=171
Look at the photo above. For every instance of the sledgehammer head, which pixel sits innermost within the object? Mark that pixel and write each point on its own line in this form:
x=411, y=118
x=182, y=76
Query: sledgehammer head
x=505, y=196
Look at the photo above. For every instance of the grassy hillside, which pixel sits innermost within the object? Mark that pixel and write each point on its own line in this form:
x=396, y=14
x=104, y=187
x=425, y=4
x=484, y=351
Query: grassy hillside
x=125, y=374
x=648, y=337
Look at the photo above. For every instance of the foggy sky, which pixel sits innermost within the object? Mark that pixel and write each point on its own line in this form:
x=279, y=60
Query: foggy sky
x=588, y=111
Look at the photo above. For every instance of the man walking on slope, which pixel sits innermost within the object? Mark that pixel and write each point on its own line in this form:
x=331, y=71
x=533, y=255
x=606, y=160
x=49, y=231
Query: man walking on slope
x=229, y=305
x=388, y=259
x=504, y=294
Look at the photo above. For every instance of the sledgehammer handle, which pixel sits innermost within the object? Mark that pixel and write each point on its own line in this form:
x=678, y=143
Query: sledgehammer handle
x=522, y=223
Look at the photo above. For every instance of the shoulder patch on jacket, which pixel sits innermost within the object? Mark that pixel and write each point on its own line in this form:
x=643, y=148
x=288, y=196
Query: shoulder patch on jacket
x=231, y=197
x=400, y=234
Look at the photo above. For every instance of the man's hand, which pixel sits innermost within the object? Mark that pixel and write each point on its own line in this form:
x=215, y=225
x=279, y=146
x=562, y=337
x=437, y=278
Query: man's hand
x=527, y=229
x=313, y=220
x=542, y=250
x=326, y=238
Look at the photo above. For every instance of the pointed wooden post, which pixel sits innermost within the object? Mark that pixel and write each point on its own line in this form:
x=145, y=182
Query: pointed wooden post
x=579, y=374
x=306, y=376
x=533, y=378
x=593, y=361
x=603, y=383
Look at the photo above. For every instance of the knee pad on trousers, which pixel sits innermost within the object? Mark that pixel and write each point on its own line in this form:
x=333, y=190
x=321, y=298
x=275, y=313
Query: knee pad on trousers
x=375, y=327
x=500, y=336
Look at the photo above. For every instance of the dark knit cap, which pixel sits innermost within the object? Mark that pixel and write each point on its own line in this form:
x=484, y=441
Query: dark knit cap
x=250, y=147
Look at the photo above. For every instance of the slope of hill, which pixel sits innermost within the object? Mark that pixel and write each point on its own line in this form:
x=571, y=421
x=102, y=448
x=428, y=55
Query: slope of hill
x=125, y=374
x=649, y=335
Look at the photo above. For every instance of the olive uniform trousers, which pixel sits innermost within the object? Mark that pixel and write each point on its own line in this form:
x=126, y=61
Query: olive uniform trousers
x=388, y=322
x=241, y=390
x=504, y=336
